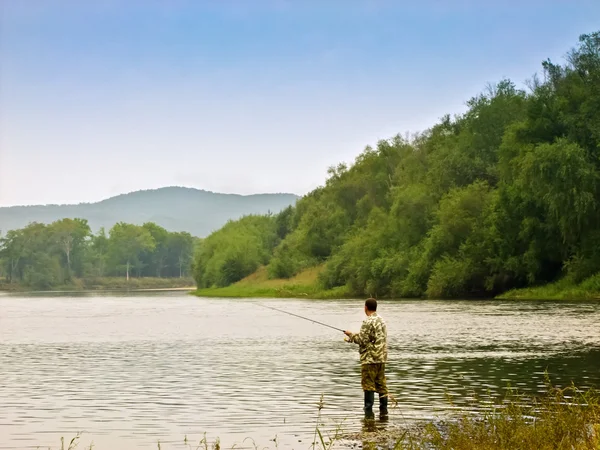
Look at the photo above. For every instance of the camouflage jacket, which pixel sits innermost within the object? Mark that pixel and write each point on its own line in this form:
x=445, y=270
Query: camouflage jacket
x=372, y=340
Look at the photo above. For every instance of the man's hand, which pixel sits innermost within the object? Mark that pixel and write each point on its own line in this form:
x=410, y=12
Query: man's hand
x=348, y=333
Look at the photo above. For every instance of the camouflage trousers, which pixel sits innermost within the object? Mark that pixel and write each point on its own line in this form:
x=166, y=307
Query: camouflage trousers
x=373, y=378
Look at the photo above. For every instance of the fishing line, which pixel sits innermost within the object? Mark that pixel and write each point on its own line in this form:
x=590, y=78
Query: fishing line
x=301, y=317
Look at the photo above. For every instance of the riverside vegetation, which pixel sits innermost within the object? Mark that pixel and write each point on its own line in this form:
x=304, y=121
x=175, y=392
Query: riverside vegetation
x=65, y=254
x=504, y=196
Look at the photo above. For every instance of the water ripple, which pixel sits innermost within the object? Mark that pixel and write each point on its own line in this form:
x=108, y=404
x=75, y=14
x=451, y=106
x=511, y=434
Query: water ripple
x=132, y=370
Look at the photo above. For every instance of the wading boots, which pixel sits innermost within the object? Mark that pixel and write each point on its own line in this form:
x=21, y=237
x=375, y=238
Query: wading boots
x=369, y=400
x=383, y=406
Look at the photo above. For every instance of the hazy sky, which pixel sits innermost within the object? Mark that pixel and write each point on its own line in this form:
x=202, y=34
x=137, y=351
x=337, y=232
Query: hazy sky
x=104, y=97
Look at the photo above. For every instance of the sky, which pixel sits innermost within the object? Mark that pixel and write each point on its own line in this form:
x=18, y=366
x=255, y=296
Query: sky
x=104, y=97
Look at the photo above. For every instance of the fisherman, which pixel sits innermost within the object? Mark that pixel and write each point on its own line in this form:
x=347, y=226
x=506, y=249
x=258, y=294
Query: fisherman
x=372, y=348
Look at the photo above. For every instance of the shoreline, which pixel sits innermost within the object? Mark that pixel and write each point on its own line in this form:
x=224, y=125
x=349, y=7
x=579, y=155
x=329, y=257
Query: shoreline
x=190, y=290
x=298, y=291
x=285, y=291
x=301, y=287
x=563, y=289
x=306, y=285
x=147, y=284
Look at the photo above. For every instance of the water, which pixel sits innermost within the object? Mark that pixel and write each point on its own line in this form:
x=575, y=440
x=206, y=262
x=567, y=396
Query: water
x=129, y=370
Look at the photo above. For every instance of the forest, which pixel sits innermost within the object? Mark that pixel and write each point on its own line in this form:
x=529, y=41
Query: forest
x=44, y=256
x=505, y=195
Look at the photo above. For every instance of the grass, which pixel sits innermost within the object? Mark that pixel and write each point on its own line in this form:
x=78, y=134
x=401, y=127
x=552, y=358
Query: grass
x=559, y=419
x=303, y=285
x=137, y=283
x=306, y=285
x=11, y=287
x=109, y=283
x=564, y=289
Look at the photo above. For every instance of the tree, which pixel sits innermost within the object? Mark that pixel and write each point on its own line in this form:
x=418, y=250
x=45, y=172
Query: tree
x=12, y=251
x=179, y=251
x=96, y=255
x=155, y=258
x=70, y=235
x=235, y=251
x=127, y=243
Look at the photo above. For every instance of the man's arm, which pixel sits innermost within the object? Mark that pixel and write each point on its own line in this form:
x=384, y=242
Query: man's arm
x=362, y=337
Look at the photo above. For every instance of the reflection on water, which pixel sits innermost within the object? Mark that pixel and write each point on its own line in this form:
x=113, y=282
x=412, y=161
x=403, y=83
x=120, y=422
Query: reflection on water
x=130, y=370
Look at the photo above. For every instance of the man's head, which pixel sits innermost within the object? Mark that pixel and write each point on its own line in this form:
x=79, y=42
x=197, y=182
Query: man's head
x=370, y=306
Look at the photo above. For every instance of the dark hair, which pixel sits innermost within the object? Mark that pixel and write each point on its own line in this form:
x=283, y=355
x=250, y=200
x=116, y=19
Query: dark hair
x=371, y=304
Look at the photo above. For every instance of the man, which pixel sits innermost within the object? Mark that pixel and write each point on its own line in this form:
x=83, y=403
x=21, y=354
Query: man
x=372, y=347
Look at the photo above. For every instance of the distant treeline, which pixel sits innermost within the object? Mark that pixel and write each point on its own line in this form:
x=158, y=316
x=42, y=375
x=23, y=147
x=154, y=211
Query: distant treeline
x=44, y=256
x=505, y=195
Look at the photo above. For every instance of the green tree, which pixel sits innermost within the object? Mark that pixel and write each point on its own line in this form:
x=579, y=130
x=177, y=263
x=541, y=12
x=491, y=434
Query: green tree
x=70, y=237
x=155, y=258
x=180, y=248
x=127, y=244
x=13, y=251
x=31, y=254
x=97, y=255
x=235, y=251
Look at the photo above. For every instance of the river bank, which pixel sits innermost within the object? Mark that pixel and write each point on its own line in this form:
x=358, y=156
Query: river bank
x=565, y=289
x=306, y=285
x=303, y=285
x=109, y=283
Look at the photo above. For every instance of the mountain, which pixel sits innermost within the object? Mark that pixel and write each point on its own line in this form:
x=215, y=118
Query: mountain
x=196, y=211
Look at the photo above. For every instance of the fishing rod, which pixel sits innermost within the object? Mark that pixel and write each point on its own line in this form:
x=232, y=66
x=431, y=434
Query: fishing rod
x=301, y=317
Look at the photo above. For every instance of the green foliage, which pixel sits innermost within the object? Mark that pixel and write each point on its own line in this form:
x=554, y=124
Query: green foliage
x=289, y=258
x=32, y=255
x=504, y=196
x=64, y=252
x=284, y=222
x=157, y=256
x=179, y=251
x=235, y=251
x=127, y=245
x=70, y=236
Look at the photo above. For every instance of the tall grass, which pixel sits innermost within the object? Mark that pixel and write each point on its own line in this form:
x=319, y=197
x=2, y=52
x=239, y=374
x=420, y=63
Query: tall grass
x=564, y=289
x=561, y=419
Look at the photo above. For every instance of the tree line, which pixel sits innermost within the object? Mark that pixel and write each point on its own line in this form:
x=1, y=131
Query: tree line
x=44, y=256
x=506, y=195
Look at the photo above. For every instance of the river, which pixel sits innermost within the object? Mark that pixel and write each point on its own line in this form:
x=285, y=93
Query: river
x=130, y=370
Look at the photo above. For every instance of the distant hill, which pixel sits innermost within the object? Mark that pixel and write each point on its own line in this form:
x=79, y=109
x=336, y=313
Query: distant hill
x=175, y=208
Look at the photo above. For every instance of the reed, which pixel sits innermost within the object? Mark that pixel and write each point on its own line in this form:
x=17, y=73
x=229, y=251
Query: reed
x=561, y=418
